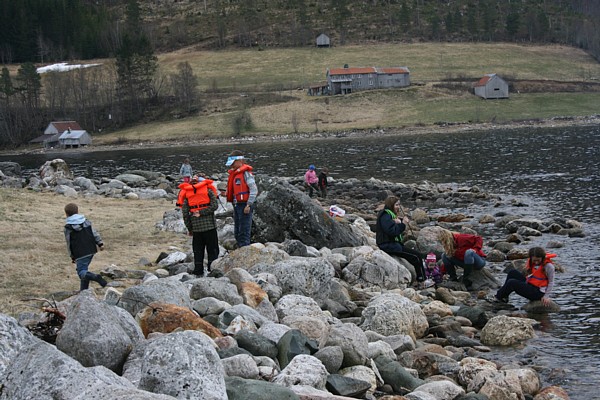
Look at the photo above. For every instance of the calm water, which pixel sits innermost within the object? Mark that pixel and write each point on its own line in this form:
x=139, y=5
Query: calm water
x=555, y=171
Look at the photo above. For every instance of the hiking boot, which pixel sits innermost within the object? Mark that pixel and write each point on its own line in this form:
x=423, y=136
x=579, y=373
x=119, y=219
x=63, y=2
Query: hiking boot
x=102, y=281
x=453, y=278
x=501, y=299
x=467, y=282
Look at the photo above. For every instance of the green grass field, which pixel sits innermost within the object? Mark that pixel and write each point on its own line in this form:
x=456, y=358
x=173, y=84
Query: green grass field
x=245, y=74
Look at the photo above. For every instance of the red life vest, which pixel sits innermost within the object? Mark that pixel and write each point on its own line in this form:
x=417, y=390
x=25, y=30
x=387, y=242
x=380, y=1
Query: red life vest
x=196, y=194
x=237, y=188
x=537, y=275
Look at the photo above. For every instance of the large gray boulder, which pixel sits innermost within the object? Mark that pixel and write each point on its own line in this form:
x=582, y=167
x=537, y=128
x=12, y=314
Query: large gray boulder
x=242, y=389
x=303, y=370
x=13, y=338
x=54, y=170
x=299, y=275
x=136, y=298
x=284, y=212
x=184, y=365
x=502, y=330
x=393, y=314
x=42, y=372
x=10, y=168
x=96, y=333
x=377, y=269
x=220, y=289
x=353, y=342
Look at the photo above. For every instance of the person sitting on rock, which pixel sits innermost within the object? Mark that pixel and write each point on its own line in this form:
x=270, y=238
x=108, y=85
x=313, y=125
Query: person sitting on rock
x=463, y=250
x=389, y=235
x=538, y=283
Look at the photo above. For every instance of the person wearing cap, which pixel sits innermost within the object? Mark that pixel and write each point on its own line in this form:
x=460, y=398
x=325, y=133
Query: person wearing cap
x=198, y=201
x=311, y=180
x=242, y=192
x=432, y=271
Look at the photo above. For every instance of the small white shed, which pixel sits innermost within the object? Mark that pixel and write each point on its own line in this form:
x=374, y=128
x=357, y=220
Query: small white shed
x=323, y=40
x=74, y=138
x=491, y=86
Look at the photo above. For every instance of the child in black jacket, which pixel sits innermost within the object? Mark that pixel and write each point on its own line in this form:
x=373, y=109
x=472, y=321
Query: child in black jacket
x=82, y=243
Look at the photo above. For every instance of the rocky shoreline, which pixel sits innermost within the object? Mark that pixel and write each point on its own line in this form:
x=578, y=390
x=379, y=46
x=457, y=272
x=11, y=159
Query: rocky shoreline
x=310, y=310
x=449, y=128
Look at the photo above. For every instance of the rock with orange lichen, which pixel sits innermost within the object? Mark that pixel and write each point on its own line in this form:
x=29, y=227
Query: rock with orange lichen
x=165, y=318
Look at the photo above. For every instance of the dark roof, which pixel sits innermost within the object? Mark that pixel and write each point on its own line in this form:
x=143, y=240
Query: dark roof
x=62, y=126
x=368, y=70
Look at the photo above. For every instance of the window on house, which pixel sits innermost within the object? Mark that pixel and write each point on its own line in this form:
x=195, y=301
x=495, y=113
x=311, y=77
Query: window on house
x=370, y=82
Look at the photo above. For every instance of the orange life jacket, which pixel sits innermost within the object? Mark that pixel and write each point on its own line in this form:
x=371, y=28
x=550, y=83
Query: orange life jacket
x=537, y=275
x=237, y=188
x=196, y=194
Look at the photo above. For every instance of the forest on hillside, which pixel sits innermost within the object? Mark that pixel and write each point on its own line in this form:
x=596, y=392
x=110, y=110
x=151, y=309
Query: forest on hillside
x=131, y=32
x=43, y=31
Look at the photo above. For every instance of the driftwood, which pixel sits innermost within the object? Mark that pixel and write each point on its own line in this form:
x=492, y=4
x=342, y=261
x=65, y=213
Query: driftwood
x=47, y=329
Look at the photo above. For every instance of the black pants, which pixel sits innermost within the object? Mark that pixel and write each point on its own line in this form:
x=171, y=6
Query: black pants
x=516, y=282
x=204, y=240
x=412, y=256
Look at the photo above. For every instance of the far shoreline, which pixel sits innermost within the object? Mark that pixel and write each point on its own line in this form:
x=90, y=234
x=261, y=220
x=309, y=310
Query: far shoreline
x=449, y=128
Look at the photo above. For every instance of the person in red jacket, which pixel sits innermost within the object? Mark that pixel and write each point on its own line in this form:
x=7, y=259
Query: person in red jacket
x=462, y=250
x=538, y=283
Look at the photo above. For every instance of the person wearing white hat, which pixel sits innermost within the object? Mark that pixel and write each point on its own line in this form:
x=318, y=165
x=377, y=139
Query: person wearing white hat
x=242, y=192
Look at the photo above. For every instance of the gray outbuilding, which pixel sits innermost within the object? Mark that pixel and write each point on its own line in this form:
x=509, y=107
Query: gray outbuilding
x=74, y=138
x=491, y=86
x=323, y=40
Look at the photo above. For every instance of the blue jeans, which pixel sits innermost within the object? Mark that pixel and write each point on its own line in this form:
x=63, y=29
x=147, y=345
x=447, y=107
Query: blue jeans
x=242, y=224
x=82, y=265
x=472, y=260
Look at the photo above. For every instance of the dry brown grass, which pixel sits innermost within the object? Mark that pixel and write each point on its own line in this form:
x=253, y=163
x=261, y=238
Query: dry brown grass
x=33, y=258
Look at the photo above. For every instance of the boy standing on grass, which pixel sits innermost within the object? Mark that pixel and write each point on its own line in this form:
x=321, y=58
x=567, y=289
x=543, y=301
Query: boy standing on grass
x=82, y=243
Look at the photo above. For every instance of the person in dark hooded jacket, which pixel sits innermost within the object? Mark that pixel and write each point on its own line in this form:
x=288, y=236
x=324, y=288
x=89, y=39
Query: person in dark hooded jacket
x=388, y=237
x=82, y=243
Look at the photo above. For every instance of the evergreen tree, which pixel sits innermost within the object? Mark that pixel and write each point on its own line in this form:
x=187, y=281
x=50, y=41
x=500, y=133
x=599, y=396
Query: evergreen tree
x=513, y=23
x=136, y=64
x=29, y=86
x=6, y=86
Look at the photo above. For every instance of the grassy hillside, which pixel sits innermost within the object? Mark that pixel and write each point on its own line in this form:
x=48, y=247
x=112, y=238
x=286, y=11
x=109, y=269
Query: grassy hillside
x=266, y=84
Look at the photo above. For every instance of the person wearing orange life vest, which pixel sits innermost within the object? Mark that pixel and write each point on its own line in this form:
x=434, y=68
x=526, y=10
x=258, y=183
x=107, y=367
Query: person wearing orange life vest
x=539, y=282
x=242, y=192
x=198, y=201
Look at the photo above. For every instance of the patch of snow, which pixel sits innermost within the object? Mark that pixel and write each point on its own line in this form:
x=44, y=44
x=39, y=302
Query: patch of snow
x=62, y=67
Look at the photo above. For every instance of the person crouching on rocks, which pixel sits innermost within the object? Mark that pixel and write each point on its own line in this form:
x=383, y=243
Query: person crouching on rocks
x=388, y=237
x=463, y=250
x=539, y=282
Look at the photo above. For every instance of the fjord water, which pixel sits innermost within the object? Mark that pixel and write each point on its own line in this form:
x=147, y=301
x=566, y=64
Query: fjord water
x=554, y=171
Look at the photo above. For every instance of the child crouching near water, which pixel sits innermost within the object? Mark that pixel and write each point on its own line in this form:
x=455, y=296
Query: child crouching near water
x=82, y=243
x=433, y=272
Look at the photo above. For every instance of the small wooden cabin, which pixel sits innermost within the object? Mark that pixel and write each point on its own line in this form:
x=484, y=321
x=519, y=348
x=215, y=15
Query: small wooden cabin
x=491, y=86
